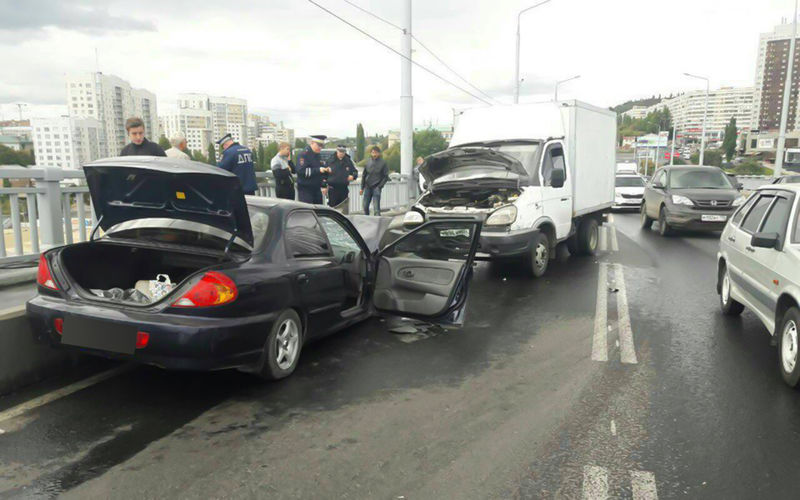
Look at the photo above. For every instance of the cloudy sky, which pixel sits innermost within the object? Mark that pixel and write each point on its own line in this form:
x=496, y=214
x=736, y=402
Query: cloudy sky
x=298, y=64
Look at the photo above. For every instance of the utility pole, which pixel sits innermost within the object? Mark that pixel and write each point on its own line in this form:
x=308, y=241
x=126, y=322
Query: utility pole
x=705, y=115
x=787, y=91
x=672, y=152
x=516, y=72
x=406, y=103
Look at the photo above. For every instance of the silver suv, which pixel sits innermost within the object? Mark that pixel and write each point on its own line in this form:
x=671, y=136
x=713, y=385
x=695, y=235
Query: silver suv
x=759, y=268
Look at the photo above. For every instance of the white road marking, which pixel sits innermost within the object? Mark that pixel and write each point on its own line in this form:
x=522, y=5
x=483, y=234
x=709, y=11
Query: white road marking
x=602, y=238
x=60, y=393
x=599, y=342
x=595, y=483
x=610, y=217
x=614, y=244
x=627, y=350
x=643, y=485
x=613, y=428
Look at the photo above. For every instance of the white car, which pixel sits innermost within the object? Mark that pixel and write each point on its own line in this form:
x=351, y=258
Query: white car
x=628, y=191
x=759, y=268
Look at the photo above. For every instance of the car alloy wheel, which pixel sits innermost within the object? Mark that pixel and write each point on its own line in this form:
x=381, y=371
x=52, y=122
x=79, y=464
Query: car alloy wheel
x=287, y=342
x=726, y=288
x=789, y=346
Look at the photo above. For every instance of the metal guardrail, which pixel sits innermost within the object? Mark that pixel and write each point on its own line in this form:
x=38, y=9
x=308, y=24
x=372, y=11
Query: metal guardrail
x=53, y=207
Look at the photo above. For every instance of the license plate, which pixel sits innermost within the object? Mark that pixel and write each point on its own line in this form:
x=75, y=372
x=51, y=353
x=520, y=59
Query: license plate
x=713, y=218
x=96, y=334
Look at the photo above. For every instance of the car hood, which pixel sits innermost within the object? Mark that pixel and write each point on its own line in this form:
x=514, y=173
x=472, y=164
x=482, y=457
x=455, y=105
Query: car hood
x=463, y=164
x=707, y=194
x=143, y=187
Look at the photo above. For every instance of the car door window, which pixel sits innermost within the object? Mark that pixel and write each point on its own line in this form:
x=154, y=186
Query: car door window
x=435, y=242
x=777, y=218
x=738, y=217
x=305, y=237
x=754, y=216
x=660, y=178
x=342, y=243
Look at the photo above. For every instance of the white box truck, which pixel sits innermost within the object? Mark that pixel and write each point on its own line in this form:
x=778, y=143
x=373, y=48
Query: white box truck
x=538, y=174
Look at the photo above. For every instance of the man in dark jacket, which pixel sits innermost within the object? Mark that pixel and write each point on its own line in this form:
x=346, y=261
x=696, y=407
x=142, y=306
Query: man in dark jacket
x=342, y=172
x=311, y=172
x=239, y=160
x=376, y=175
x=139, y=145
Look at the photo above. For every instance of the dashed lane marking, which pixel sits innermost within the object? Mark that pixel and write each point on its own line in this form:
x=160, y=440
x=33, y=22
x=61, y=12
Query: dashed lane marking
x=595, y=483
x=60, y=393
x=613, y=428
x=643, y=485
x=602, y=238
x=599, y=342
x=627, y=350
x=614, y=244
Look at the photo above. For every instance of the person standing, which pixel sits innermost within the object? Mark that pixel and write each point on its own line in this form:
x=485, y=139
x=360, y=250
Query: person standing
x=342, y=172
x=311, y=172
x=418, y=185
x=376, y=175
x=238, y=159
x=282, y=169
x=178, y=149
x=139, y=145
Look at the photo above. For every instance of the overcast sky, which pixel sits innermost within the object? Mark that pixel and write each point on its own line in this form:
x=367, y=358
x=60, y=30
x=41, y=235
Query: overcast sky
x=298, y=64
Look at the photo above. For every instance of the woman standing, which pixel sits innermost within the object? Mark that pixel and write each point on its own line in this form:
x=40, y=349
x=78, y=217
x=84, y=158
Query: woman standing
x=282, y=169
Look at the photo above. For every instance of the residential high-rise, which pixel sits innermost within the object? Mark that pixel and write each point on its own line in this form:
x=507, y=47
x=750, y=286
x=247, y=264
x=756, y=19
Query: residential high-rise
x=228, y=114
x=111, y=100
x=771, y=66
x=67, y=142
x=194, y=124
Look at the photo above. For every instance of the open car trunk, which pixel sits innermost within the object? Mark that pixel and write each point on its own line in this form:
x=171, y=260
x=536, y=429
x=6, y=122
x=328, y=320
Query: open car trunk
x=102, y=266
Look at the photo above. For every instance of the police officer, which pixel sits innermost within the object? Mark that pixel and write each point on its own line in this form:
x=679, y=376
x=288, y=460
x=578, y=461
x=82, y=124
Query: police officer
x=239, y=160
x=311, y=171
x=342, y=172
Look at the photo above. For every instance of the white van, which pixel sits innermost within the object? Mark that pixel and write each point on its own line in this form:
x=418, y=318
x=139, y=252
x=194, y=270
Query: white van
x=538, y=174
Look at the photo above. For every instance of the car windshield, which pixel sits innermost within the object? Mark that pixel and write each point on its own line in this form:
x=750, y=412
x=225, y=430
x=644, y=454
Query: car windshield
x=630, y=181
x=699, y=179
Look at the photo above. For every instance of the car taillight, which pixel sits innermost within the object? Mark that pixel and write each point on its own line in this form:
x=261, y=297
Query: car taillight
x=213, y=289
x=43, y=276
x=58, y=323
x=142, y=338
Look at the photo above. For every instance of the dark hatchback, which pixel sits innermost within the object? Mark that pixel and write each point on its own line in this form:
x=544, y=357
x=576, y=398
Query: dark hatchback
x=254, y=279
x=689, y=197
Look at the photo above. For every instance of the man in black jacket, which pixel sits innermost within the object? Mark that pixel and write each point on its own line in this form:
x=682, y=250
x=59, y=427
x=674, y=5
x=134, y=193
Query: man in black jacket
x=375, y=176
x=342, y=173
x=139, y=145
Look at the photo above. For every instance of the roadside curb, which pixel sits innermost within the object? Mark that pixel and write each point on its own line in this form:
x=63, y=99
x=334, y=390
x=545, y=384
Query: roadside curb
x=10, y=277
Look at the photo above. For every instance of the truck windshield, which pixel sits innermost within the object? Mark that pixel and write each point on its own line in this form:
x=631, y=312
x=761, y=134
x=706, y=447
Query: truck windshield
x=526, y=152
x=699, y=179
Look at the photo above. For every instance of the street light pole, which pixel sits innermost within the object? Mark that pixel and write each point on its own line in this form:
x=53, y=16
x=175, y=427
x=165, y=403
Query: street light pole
x=516, y=72
x=406, y=104
x=555, y=97
x=672, y=152
x=705, y=115
x=787, y=89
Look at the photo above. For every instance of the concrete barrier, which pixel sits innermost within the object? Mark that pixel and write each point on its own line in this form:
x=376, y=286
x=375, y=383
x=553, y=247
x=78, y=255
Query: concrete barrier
x=23, y=361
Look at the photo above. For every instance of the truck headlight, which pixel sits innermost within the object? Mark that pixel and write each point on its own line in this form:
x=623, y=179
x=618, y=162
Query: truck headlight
x=738, y=201
x=681, y=200
x=413, y=218
x=503, y=216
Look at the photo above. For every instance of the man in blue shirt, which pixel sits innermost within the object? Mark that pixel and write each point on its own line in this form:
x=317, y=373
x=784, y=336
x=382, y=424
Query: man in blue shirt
x=239, y=160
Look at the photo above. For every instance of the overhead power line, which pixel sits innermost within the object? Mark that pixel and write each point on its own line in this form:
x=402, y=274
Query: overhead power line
x=379, y=18
x=387, y=46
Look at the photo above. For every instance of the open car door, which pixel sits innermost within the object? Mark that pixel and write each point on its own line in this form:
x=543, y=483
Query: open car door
x=426, y=273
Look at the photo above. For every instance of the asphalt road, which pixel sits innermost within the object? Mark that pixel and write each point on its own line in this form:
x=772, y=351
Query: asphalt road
x=613, y=376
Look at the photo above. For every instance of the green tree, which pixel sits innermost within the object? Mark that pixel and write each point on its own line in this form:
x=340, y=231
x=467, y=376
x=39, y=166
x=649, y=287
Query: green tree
x=392, y=157
x=10, y=157
x=197, y=155
x=427, y=142
x=263, y=160
x=164, y=142
x=750, y=167
x=270, y=151
x=729, y=142
x=712, y=157
x=361, y=143
x=300, y=144
x=211, y=159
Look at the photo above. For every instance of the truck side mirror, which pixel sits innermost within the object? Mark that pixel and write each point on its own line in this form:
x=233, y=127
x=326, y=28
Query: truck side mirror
x=557, y=177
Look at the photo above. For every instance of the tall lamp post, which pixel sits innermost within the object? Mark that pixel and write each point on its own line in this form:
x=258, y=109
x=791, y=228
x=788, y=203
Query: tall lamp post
x=555, y=97
x=787, y=91
x=705, y=115
x=516, y=73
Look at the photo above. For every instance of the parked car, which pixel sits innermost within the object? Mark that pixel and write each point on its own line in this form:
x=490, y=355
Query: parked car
x=689, y=197
x=255, y=279
x=759, y=268
x=538, y=174
x=628, y=191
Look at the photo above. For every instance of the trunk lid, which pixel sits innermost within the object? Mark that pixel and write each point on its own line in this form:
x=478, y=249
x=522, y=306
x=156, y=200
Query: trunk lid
x=471, y=165
x=140, y=187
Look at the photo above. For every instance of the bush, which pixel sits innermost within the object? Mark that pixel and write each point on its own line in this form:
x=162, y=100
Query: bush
x=712, y=158
x=750, y=167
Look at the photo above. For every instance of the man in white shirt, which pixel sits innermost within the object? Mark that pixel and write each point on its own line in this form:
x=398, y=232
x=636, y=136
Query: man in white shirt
x=178, y=149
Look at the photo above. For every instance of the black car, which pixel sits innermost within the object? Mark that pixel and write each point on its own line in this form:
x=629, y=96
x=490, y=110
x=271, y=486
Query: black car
x=254, y=279
x=689, y=197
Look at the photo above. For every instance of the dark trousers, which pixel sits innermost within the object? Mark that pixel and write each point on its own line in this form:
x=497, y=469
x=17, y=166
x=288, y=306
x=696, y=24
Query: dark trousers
x=337, y=193
x=308, y=194
x=285, y=191
x=372, y=195
x=250, y=193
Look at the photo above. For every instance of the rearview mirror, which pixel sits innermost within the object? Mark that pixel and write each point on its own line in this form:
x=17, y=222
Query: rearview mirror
x=765, y=240
x=557, y=177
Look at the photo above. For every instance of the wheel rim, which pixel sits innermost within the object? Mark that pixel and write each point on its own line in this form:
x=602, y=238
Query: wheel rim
x=726, y=288
x=540, y=259
x=662, y=222
x=789, y=346
x=287, y=343
x=593, y=238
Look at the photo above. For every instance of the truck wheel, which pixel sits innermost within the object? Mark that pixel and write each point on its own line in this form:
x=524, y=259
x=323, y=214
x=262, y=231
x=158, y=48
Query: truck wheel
x=587, y=237
x=539, y=257
x=282, y=349
x=647, y=222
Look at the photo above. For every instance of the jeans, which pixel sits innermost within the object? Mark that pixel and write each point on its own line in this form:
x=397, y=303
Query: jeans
x=372, y=194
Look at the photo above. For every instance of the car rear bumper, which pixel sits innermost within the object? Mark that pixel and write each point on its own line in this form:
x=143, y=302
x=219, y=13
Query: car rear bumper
x=176, y=342
x=508, y=243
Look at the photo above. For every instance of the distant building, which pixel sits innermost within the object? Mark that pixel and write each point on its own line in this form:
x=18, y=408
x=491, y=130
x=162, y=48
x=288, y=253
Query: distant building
x=16, y=142
x=687, y=111
x=263, y=131
x=18, y=128
x=394, y=137
x=771, y=67
x=637, y=112
x=67, y=142
x=228, y=114
x=194, y=124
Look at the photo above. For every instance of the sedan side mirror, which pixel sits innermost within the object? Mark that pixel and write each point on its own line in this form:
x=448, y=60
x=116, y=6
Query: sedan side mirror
x=557, y=177
x=657, y=185
x=739, y=186
x=765, y=240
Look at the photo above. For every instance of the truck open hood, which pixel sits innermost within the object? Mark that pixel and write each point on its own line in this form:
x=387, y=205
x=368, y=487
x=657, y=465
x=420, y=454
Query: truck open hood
x=462, y=164
x=142, y=187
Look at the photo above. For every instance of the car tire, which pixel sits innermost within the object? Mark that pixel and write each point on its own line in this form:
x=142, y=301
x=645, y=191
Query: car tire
x=647, y=222
x=539, y=258
x=588, y=236
x=788, y=362
x=282, y=348
x=663, y=225
x=729, y=306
